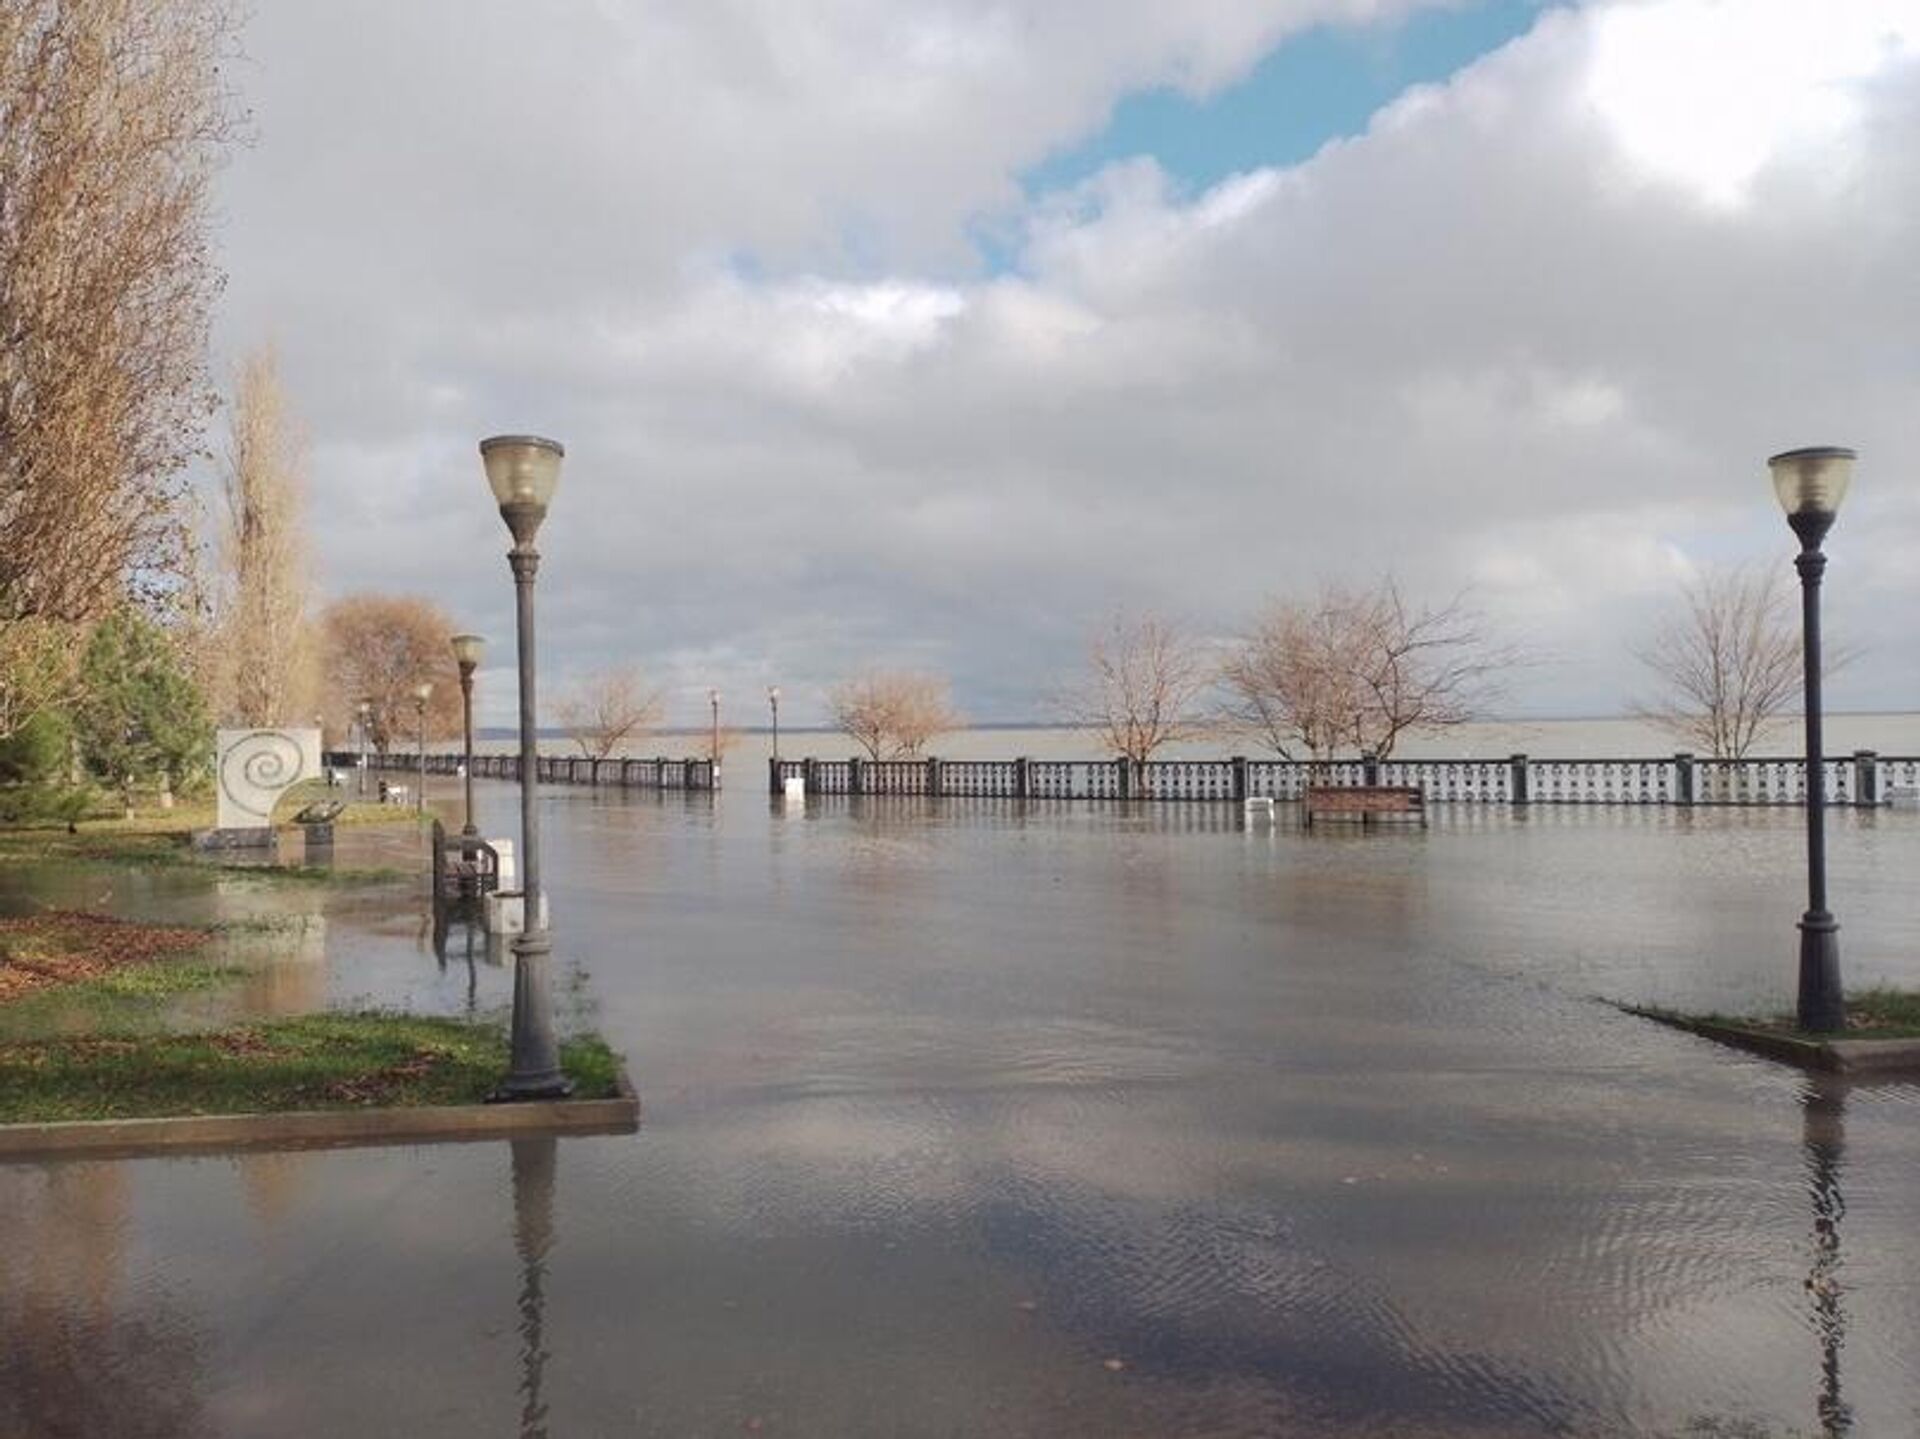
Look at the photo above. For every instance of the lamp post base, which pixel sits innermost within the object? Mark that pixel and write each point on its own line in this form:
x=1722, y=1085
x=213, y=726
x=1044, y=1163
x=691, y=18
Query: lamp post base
x=515, y=1089
x=1822, y=1008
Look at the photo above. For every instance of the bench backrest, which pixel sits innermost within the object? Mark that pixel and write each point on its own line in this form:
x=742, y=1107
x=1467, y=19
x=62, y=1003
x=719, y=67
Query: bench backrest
x=1365, y=799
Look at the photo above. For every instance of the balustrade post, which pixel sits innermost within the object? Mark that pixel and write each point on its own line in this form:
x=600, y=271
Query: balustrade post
x=1369, y=769
x=1020, y=778
x=806, y=776
x=686, y=773
x=1517, y=781
x=1239, y=779
x=856, y=775
x=1866, y=778
x=1683, y=778
x=773, y=775
x=1123, y=775
x=933, y=775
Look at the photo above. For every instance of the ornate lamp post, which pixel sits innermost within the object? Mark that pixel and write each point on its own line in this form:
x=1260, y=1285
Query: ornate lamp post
x=713, y=745
x=523, y=471
x=773, y=700
x=467, y=650
x=422, y=692
x=364, y=710
x=1811, y=483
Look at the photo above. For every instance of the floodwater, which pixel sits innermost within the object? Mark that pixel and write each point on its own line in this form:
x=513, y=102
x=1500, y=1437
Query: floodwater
x=983, y=1119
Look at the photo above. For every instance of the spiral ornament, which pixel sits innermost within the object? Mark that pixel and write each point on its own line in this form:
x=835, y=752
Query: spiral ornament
x=257, y=767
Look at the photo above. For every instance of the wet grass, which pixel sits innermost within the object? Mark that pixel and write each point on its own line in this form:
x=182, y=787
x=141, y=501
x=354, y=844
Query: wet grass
x=68, y=970
x=144, y=843
x=68, y=950
x=322, y=1061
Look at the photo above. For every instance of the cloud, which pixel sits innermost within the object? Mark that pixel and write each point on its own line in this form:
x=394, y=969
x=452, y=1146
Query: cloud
x=1535, y=331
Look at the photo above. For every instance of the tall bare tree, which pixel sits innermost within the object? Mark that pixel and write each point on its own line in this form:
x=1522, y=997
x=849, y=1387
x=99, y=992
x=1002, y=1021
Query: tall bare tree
x=112, y=117
x=1359, y=669
x=605, y=710
x=1727, y=661
x=1143, y=688
x=265, y=639
x=893, y=714
x=379, y=648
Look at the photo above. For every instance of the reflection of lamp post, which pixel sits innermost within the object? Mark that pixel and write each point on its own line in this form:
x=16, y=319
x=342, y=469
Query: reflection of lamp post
x=467, y=650
x=422, y=692
x=773, y=699
x=523, y=471
x=533, y=1237
x=1811, y=483
x=1823, y=1137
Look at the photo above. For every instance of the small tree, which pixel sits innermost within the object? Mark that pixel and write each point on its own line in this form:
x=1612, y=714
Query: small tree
x=605, y=710
x=1144, y=683
x=378, y=648
x=1727, y=663
x=140, y=716
x=1360, y=669
x=891, y=714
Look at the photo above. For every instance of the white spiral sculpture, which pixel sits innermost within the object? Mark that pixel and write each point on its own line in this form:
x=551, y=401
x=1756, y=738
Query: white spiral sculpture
x=256, y=766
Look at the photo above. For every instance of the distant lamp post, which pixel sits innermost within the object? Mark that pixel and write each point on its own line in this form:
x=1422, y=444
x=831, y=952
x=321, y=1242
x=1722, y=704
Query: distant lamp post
x=713, y=745
x=364, y=710
x=773, y=701
x=1811, y=483
x=523, y=471
x=467, y=653
x=422, y=692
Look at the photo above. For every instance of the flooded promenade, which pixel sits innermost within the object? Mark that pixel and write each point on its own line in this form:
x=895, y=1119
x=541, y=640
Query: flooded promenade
x=981, y=1118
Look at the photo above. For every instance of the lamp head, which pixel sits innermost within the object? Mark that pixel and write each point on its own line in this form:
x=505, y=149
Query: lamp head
x=773, y=693
x=523, y=472
x=467, y=652
x=1810, y=484
x=423, y=692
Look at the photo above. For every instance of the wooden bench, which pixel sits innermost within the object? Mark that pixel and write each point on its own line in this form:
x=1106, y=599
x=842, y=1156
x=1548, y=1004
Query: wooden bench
x=1365, y=802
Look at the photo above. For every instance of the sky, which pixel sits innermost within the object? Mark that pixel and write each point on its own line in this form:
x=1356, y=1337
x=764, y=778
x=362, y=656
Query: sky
x=927, y=334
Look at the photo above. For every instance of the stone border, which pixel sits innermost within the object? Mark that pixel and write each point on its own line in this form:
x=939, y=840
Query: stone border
x=1828, y=1056
x=321, y=1128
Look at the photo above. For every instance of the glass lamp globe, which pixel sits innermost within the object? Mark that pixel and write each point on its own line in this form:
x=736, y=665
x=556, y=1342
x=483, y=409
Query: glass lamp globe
x=522, y=469
x=1812, y=481
x=468, y=650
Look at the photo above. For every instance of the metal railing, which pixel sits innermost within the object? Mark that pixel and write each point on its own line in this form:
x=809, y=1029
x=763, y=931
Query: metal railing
x=688, y=774
x=1864, y=779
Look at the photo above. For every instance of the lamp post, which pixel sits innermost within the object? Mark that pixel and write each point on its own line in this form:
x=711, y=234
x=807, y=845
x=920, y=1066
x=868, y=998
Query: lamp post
x=365, y=711
x=773, y=700
x=422, y=692
x=523, y=471
x=713, y=745
x=467, y=650
x=1810, y=484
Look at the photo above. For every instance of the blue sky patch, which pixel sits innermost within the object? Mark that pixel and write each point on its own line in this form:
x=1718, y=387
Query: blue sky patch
x=1318, y=86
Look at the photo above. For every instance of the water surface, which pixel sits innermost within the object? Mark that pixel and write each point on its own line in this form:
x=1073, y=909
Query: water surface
x=975, y=1118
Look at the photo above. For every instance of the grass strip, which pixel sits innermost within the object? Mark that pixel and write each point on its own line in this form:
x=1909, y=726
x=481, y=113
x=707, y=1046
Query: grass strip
x=335, y=1060
x=1882, y=1012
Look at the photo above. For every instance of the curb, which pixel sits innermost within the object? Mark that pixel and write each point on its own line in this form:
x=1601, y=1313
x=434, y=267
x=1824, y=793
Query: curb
x=322, y=1128
x=1828, y=1056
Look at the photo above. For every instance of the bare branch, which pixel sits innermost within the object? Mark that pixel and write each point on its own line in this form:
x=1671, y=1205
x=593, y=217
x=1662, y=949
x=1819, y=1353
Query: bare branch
x=1145, y=677
x=1728, y=664
x=1360, y=669
x=891, y=714
x=605, y=710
